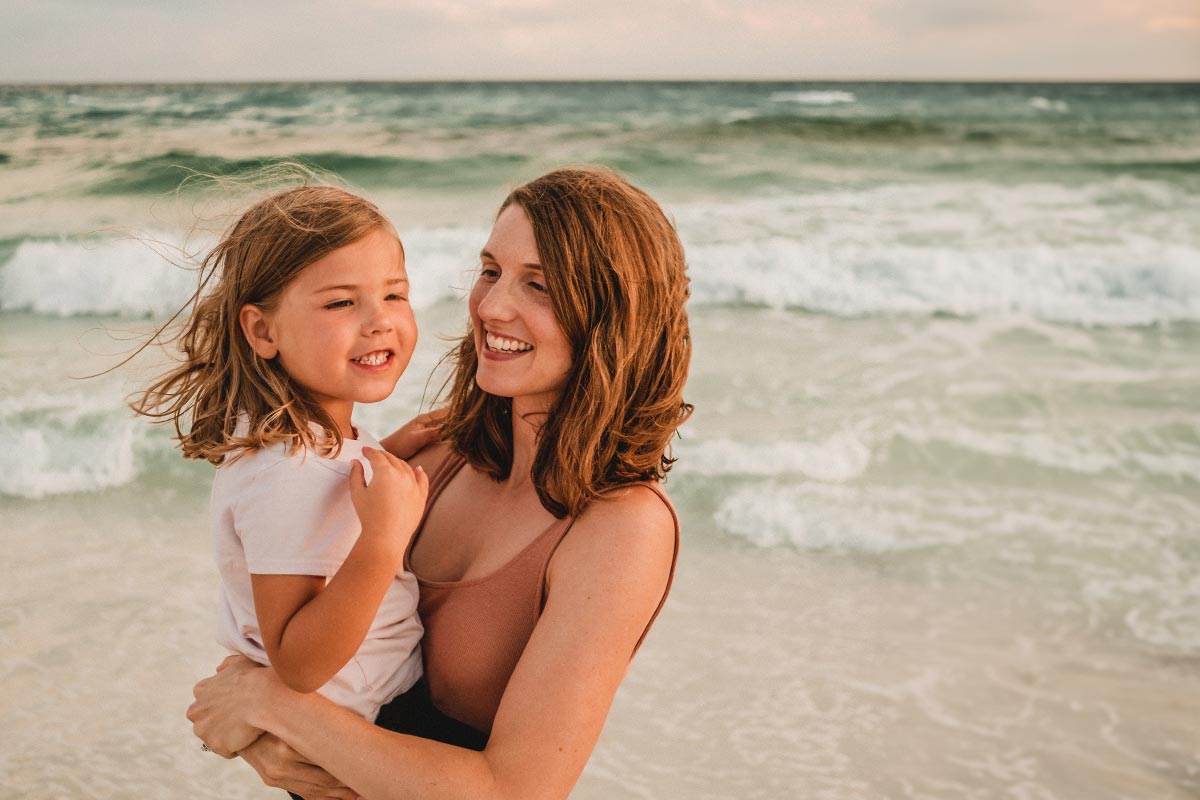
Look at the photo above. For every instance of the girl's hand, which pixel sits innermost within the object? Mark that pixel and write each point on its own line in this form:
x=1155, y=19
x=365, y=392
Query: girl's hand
x=390, y=508
x=415, y=435
x=224, y=703
x=280, y=766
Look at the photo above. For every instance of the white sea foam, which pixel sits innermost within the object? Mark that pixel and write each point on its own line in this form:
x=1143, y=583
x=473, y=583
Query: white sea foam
x=138, y=278
x=839, y=458
x=1051, y=252
x=1069, y=451
x=121, y=276
x=1132, y=285
x=815, y=97
x=1046, y=104
x=819, y=516
x=68, y=443
x=1101, y=254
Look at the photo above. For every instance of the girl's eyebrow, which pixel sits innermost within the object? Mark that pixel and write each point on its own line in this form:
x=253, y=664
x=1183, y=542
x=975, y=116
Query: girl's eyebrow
x=485, y=254
x=347, y=287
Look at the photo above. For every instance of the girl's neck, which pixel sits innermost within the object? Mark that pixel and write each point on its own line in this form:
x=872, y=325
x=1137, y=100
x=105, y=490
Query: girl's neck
x=341, y=414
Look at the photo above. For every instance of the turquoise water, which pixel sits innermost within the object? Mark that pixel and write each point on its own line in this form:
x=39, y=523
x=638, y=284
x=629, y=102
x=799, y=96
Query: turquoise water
x=939, y=494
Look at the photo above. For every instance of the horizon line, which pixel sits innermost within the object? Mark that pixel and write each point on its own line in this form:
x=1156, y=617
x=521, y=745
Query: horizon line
x=492, y=80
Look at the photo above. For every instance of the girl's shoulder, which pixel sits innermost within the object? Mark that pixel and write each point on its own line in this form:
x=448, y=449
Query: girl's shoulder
x=253, y=460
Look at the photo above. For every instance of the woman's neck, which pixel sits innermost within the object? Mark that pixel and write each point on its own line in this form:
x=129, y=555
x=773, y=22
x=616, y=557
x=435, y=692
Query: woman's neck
x=525, y=428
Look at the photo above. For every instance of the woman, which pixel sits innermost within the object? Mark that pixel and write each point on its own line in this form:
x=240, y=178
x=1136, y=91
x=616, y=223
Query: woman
x=547, y=548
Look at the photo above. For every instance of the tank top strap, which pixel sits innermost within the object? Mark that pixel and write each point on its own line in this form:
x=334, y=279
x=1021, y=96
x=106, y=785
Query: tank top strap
x=446, y=469
x=658, y=490
x=559, y=531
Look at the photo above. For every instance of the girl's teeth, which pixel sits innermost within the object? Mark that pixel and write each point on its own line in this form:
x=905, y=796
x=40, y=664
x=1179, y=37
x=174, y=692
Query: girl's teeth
x=495, y=342
x=373, y=359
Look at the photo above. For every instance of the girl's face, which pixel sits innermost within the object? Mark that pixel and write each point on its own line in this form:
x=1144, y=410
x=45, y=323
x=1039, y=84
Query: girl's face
x=343, y=328
x=523, y=352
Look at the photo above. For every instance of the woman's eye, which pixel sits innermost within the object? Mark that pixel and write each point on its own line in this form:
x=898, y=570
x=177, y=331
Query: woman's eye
x=537, y=287
x=338, y=304
x=489, y=273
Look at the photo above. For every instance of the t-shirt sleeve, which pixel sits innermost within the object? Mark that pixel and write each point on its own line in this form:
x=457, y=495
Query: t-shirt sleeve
x=295, y=518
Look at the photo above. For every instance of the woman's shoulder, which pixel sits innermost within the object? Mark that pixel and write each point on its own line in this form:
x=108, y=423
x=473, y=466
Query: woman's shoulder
x=431, y=457
x=622, y=548
x=636, y=524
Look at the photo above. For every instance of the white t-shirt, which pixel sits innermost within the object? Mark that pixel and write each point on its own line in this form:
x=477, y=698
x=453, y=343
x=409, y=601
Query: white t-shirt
x=278, y=514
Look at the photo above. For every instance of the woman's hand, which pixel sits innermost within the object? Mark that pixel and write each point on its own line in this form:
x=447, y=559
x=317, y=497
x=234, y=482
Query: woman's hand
x=390, y=507
x=224, y=703
x=280, y=766
x=415, y=435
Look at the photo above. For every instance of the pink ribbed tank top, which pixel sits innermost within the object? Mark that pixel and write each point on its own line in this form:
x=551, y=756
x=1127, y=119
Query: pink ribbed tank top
x=476, y=629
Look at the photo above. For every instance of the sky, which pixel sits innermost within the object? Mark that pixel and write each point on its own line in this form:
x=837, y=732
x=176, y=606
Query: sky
x=174, y=40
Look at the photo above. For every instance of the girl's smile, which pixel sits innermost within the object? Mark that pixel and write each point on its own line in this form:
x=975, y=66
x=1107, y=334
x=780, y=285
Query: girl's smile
x=343, y=328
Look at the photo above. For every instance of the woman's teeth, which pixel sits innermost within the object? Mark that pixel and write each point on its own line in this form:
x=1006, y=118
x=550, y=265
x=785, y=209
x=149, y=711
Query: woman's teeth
x=373, y=359
x=495, y=342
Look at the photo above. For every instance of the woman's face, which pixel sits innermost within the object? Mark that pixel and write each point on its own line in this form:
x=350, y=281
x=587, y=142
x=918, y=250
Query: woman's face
x=523, y=352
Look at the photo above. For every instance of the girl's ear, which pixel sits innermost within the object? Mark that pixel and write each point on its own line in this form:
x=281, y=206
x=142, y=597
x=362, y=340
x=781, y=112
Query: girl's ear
x=257, y=329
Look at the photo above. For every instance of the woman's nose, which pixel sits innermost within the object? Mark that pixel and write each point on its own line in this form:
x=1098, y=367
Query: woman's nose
x=496, y=302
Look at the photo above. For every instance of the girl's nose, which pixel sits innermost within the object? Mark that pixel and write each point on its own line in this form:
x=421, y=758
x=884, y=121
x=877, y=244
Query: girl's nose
x=376, y=319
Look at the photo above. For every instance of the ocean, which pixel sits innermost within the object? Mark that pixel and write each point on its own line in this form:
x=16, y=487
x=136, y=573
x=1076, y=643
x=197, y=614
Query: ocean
x=940, y=495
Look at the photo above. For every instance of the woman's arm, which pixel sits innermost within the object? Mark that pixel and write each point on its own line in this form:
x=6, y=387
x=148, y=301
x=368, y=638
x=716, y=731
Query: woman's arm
x=415, y=435
x=605, y=582
x=311, y=629
x=280, y=766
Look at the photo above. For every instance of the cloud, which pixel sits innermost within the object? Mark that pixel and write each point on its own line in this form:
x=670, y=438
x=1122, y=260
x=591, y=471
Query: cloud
x=1171, y=24
x=68, y=40
x=955, y=15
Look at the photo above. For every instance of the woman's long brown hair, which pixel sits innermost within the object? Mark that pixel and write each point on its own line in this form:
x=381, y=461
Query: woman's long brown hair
x=220, y=378
x=617, y=280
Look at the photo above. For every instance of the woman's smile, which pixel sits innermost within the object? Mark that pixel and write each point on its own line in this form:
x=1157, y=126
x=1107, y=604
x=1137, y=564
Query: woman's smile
x=523, y=352
x=505, y=345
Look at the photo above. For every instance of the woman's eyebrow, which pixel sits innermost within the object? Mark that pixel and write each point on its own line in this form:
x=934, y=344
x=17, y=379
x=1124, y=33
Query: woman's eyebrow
x=486, y=254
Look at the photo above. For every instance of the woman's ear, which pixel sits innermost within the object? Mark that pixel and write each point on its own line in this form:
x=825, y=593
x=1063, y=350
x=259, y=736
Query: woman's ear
x=257, y=329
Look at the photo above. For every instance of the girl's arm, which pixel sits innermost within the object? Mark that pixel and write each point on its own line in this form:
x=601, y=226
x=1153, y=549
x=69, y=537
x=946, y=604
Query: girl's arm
x=605, y=580
x=310, y=629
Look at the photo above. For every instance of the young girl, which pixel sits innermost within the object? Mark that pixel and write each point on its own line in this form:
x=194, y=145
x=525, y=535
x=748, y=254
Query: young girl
x=309, y=315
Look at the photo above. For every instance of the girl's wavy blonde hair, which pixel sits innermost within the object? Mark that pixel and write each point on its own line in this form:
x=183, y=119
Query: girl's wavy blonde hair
x=220, y=378
x=617, y=280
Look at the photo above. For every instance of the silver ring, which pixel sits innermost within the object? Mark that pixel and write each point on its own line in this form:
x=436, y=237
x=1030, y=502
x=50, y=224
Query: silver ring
x=204, y=746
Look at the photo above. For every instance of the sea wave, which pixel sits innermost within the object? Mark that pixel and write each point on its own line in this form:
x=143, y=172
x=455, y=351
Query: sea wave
x=1161, y=453
x=1084, y=284
x=815, y=97
x=830, y=517
x=165, y=172
x=838, y=458
x=61, y=444
x=150, y=277
x=1115, y=252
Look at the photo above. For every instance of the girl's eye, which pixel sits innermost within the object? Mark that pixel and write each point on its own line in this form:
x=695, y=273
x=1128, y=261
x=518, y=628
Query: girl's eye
x=395, y=297
x=338, y=304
